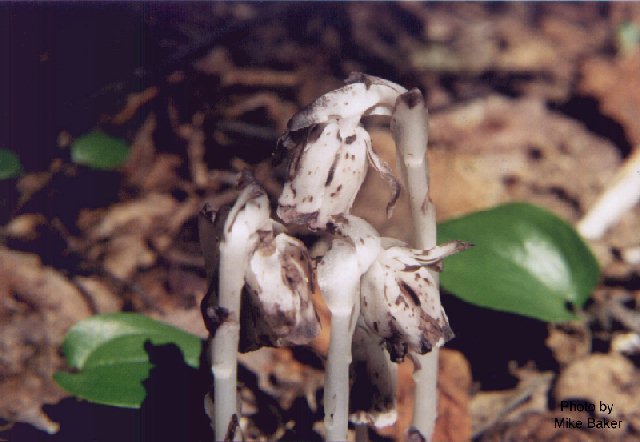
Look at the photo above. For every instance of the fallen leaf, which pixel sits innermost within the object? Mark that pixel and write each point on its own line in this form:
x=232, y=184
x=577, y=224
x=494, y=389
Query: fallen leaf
x=37, y=307
x=604, y=77
x=609, y=378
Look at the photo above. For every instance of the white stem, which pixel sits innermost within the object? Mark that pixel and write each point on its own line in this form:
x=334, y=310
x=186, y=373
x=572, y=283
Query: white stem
x=225, y=342
x=409, y=127
x=336, y=387
x=339, y=281
x=621, y=195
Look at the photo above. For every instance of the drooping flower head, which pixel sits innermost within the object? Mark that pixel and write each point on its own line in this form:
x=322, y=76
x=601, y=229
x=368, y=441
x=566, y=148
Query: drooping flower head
x=278, y=281
x=399, y=299
x=279, y=285
x=328, y=151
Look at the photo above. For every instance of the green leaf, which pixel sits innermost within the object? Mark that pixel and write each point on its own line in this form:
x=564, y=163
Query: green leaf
x=525, y=260
x=107, y=351
x=99, y=151
x=10, y=166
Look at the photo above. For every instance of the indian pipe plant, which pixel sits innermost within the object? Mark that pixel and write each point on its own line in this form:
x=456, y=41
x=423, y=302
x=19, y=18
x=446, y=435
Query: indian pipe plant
x=383, y=294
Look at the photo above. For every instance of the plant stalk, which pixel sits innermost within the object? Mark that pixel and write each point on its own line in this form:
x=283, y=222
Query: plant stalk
x=336, y=388
x=409, y=128
x=339, y=281
x=224, y=345
x=619, y=197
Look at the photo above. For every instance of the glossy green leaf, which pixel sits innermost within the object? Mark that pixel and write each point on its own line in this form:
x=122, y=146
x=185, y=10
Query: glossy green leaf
x=10, y=166
x=525, y=260
x=110, y=360
x=99, y=151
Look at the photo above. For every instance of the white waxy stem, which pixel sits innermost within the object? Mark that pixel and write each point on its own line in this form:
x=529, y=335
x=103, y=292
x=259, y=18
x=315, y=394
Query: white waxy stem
x=620, y=196
x=236, y=241
x=409, y=129
x=325, y=174
x=339, y=280
x=279, y=283
x=363, y=94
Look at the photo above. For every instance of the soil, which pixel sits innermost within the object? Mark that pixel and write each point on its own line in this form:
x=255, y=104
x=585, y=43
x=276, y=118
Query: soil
x=535, y=102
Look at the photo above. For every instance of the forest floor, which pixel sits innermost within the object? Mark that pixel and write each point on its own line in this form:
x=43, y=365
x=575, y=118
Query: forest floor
x=528, y=102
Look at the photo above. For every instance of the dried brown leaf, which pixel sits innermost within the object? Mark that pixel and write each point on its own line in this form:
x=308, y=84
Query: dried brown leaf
x=37, y=307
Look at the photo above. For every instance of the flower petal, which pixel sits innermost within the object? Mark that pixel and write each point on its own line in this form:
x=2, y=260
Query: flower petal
x=383, y=168
x=279, y=285
x=400, y=300
x=360, y=95
x=325, y=174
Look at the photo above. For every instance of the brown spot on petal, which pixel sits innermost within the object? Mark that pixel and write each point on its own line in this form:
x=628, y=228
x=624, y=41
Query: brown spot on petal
x=334, y=194
x=411, y=269
x=408, y=291
x=350, y=139
x=332, y=170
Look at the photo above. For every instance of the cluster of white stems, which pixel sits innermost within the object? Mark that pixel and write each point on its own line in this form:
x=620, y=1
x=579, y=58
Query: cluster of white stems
x=382, y=294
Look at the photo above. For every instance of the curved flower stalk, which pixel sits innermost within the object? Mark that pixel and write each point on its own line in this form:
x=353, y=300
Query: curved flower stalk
x=409, y=129
x=326, y=149
x=260, y=288
x=399, y=301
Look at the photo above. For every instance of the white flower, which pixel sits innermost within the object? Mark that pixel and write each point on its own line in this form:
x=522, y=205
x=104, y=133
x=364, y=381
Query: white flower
x=327, y=149
x=279, y=283
x=399, y=299
x=325, y=174
x=277, y=274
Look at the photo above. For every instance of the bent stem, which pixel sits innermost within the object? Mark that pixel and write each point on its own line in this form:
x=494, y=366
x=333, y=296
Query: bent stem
x=409, y=128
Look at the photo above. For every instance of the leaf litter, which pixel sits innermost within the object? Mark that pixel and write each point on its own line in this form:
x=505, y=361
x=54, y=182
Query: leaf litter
x=497, y=81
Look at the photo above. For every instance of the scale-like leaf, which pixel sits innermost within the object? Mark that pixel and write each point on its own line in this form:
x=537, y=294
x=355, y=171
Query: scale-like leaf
x=99, y=151
x=10, y=166
x=525, y=260
x=108, y=352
